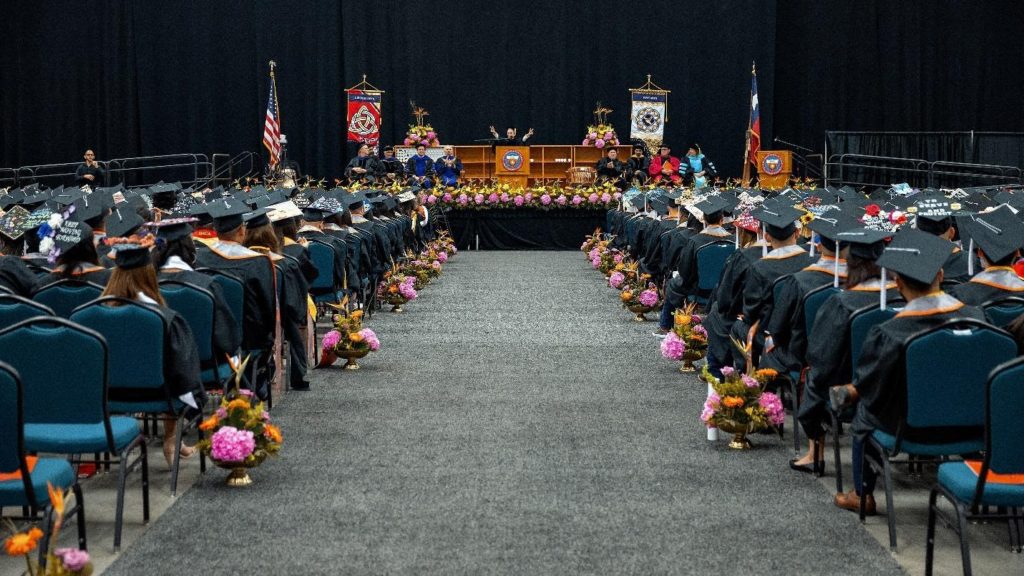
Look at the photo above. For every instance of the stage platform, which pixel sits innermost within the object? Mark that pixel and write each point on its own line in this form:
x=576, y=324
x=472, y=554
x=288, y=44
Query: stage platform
x=523, y=228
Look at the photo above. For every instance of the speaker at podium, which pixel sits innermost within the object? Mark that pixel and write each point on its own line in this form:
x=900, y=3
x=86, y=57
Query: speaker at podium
x=774, y=167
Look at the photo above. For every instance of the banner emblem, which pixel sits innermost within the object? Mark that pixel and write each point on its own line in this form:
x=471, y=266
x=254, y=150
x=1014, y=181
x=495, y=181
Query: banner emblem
x=771, y=164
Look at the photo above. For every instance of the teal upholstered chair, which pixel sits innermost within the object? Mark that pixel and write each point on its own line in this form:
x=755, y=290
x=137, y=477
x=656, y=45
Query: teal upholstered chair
x=322, y=288
x=196, y=306
x=711, y=260
x=811, y=304
x=14, y=309
x=63, y=296
x=1002, y=311
x=65, y=407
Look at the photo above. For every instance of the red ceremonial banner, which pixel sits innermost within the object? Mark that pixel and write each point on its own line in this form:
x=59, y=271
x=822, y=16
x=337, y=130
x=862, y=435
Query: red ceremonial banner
x=364, y=116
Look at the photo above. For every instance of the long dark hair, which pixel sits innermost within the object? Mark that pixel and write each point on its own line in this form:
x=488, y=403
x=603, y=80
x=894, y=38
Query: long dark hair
x=860, y=270
x=184, y=248
x=83, y=253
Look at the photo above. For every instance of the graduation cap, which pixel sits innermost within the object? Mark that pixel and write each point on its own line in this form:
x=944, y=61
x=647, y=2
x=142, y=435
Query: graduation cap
x=778, y=219
x=865, y=243
x=999, y=233
x=90, y=210
x=170, y=229
x=406, y=196
x=354, y=201
x=123, y=222
x=69, y=196
x=71, y=233
x=227, y=214
x=131, y=252
x=390, y=203
x=7, y=200
x=271, y=198
x=283, y=211
x=660, y=206
x=15, y=222
x=215, y=194
x=35, y=199
x=256, y=218
x=712, y=207
x=321, y=208
x=164, y=196
x=916, y=255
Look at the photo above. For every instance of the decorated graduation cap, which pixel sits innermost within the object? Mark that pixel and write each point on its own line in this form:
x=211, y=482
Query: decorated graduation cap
x=16, y=222
x=934, y=213
x=170, y=229
x=62, y=233
x=283, y=211
x=999, y=234
x=256, y=218
x=407, y=195
x=123, y=222
x=321, y=208
x=227, y=214
x=131, y=252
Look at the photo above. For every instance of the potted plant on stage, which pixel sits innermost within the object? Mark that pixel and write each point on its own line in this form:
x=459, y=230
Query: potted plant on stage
x=396, y=289
x=639, y=295
x=601, y=133
x=688, y=339
x=420, y=132
x=240, y=435
x=348, y=339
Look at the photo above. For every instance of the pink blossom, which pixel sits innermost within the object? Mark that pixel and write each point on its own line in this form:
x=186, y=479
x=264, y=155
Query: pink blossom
x=431, y=199
x=407, y=142
x=773, y=406
x=246, y=392
x=73, y=559
x=672, y=347
x=408, y=291
x=222, y=413
x=229, y=444
x=371, y=339
x=492, y=198
x=479, y=199
x=606, y=197
x=599, y=143
x=463, y=199
x=594, y=253
x=595, y=261
x=617, y=195
x=592, y=136
x=577, y=200
x=649, y=297
x=435, y=265
x=518, y=201
x=609, y=135
x=504, y=197
x=592, y=198
x=529, y=196
x=749, y=381
x=617, y=258
x=727, y=371
x=446, y=197
x=710, y=406
x=696, y=319
x=586, y=141
x=545, y=199
x=616, y=280
x=560, y=200
x=410, y=280
x=699, y=330
x=431, y=135
x=442, y=257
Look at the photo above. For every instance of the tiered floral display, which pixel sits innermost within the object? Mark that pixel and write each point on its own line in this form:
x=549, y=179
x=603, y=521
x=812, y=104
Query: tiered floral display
x=601, y=133
x=420, y=132
x=59, y=561
x=688, y=339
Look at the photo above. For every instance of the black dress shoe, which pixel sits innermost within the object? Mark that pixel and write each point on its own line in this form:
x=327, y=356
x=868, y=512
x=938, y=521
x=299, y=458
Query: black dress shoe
x=304, y=387
x=817, y=468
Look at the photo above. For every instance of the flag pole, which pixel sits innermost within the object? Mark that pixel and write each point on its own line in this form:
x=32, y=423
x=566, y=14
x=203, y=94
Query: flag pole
x=746, y=148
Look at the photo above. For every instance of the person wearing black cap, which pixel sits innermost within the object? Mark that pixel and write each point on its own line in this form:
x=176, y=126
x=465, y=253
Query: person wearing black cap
x=697, y=169
x=312, y=230
x=174, y=257
x=786, y=325
x=420, y=168
x=828, y=348
x=997, y=236
x=638, y=165
x=664, y=167
x=89, y=173
x=786, y=257
x=611, y=169
x=657, y=256
x=879, y=384
x=134, y=278
x=73, y=251
x=364, y=167
x=935, y=216
x=293, y=291
x=392, y=167
x=284, y=218
x=256, y=271
x=15, y=274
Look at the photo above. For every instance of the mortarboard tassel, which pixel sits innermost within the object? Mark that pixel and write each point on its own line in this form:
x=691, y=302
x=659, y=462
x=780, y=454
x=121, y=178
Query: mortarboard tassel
x=812, y=247
x=970, y=258
x=835, y=275
x=882, y=292
x=764, y=241
x=737, y=237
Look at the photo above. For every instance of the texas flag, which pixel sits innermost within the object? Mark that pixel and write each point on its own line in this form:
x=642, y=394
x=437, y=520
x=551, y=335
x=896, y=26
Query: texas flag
x=755, y=119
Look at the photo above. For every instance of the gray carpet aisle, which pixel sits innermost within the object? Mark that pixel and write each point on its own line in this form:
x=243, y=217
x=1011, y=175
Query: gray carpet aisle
x=516, y=421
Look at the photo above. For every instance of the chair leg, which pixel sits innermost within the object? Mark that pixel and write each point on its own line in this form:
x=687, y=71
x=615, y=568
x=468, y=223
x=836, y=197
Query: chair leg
x=965, y=547
x=929, y=555
x=890, y=513
x=837, y=457
x=47, y=530
x=80, y=515
x=177, y=456
x=144, y=459
x=122, y=474
x=794, y=392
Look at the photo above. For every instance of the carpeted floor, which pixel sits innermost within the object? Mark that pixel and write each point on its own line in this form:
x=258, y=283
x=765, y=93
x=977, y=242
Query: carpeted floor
x=516, y=421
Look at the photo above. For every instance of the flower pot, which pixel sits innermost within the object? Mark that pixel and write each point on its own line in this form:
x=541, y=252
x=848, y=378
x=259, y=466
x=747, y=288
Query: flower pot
x=739, y=434
x=689, y=357
x=396, y=304
x=640, y=310
x=239, y=476
x=351, y=356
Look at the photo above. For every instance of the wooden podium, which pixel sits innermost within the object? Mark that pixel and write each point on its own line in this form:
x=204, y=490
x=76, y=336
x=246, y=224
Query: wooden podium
x=512, y=165
x=774, y=167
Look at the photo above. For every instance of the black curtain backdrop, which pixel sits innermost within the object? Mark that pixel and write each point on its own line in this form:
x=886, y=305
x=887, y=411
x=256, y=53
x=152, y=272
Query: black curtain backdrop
x=130, y=78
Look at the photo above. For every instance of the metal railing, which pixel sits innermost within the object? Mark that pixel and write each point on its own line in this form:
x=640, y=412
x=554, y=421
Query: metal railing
x=867, y=170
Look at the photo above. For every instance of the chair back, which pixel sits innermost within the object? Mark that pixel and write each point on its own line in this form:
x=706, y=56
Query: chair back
x=1002, y=311
x=233, y=290
x=4, y=290
x=861, y=322
x=11, y=428
x=1004, y=425
x=63, y=296
x=63, y=369
x=946, y=370
x=322, y=257
x=14, y=309
x=711, y=262
x=196, y=306
x=812, y=303
x=135, y=340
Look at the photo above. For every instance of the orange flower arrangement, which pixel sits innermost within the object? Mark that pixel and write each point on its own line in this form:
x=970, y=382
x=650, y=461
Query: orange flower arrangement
x=273, y=433
x=210, y=423
x=22, y=543
x=356, y=337
x=732, y=402
x=59, y=562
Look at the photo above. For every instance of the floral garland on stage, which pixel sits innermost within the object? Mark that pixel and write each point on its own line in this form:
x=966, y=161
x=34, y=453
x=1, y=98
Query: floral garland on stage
x=487, y=196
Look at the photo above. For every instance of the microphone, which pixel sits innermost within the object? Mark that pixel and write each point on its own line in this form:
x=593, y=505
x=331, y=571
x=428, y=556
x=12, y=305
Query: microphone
x=791, y=145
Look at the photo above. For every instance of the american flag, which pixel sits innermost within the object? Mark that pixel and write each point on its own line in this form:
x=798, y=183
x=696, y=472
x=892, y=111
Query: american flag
x=755, y=119
x=271, y=127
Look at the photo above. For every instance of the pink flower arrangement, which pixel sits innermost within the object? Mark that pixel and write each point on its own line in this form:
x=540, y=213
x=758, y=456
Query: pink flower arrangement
x=710, y=406
x=699, y=330
x=545, y=199
x=518, y=201
x=407, y=290
x=606, y=197
x=773, y=406
x=592, y=136
x=330, y=340
x=585, y=142
x=446, y=197
x=599, y=143
x=749, y=381
x=616, y=280
x=442, y=257
x=672, y=347
x=463, y=199
x=609, y=135
x=431, y=135
x=73, y=559
x=504, y=197
x=577, y=200
x=595, y=261
x=492, y=198
x=617, y=195
x=431, y=200
x=727, y=371
x=370, y=337
x=592, y=198
x=560, y=200
x=479, y=199
x=435, y=265
x=229, y=444
x=407, y=141
x=649, y=297
x=617, y=258
x=594, y=253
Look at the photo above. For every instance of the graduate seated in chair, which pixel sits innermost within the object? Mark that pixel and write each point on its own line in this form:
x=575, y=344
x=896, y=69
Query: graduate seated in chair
x=419, y=169
x=935, y=216
x=878, y=390
x=997, y=237
x=448, y=168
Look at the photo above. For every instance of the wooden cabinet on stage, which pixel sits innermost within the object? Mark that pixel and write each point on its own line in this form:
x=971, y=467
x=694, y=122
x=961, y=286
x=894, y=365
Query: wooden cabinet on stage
x=546, y=163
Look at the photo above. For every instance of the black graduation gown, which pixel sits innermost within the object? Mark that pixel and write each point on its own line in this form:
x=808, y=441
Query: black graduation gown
x=726, y=302
x=256, y=272
x=16, y=276
x=94, y=274
x=758, y=295
x=301, y=255
x=685, y=284
x=651, y=261
x=369, y=163
x=954, y=271
x=828, y=350
x=991, y=284
x=787, y=324
x=226, y=338
x=392, y=168
x=337, y=246
x=614, y=172
x=881, y=379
